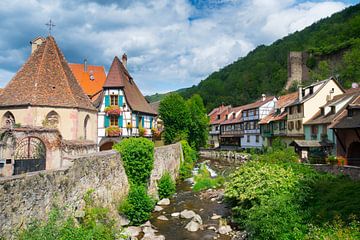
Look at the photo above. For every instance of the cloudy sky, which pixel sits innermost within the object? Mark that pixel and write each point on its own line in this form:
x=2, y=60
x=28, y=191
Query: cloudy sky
x=170, y=44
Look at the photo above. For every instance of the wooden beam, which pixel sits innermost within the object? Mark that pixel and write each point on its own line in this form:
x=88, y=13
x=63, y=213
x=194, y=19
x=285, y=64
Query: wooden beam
x=339, y=140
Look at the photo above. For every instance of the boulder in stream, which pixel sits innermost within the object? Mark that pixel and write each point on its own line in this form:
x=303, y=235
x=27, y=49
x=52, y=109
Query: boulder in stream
x=163, y=218
x=164, y=202
x=175, y=214
x=225, y=229
x=158, y=208
x=192, y=226
x=132, y=231
x=197, y=219
x=187, y=214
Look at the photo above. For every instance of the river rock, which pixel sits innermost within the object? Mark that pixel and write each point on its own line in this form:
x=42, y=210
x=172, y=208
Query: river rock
x=225, y=229
x=187, y=214
x=149, y=231
x=132, y=231
x=192, y=226
x=212, y=228
x=215, y=217
x=175, y=214
x=197, y=219
x=158, y=208
x=163, y=218
x=154, y=237
x=164, y=202
x=123, y=221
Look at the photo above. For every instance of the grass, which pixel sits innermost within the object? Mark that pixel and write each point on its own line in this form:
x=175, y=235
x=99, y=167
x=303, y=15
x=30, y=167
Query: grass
x=203, y=180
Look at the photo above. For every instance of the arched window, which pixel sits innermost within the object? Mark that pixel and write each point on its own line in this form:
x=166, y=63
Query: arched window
x=86, y=126
x=8, y=120
x=52, y=119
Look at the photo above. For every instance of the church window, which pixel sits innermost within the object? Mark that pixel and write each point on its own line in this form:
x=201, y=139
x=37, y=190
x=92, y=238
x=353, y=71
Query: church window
x=8, y=119
x=52, y=119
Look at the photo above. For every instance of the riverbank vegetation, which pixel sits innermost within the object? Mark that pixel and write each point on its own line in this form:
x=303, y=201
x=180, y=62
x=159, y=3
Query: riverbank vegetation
x=166, y=186
x=94, y=224
x=190, y=158
x=203, y=180
x=274, y=197
x=138, y=158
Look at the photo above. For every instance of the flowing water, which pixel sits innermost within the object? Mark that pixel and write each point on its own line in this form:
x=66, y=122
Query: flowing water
x=185, y=198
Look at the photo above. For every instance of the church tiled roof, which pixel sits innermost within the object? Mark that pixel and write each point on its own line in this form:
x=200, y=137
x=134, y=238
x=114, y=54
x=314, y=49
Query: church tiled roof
x=45, y=80
x=119, y=77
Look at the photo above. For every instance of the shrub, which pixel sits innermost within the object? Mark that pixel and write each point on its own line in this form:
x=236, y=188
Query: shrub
x=190, y=157
x=141, y=131
x=166, y=186
x=138, y=157
x=137, y=207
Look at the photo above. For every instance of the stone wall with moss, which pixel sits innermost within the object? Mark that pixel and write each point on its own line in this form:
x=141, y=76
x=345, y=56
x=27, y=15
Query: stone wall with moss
x=30, y=196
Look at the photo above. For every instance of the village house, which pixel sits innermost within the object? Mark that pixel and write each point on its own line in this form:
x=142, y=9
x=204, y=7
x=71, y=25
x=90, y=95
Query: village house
x=305, y=107
x=251, y=115
x=274, y=125
x=231, y=129
x=317, y=128
x=123, y=110
x=346, y=128
x=45, y=113
x=216, y=116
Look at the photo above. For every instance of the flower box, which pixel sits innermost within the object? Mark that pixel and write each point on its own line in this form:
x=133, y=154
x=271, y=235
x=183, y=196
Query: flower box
x=113, y=131
x=113, y=110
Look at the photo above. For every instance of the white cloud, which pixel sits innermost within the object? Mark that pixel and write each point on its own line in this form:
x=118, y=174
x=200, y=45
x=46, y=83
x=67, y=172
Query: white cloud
x=166, y=49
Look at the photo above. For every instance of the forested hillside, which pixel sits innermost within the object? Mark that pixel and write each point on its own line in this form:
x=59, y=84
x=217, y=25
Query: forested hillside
x=264, y=70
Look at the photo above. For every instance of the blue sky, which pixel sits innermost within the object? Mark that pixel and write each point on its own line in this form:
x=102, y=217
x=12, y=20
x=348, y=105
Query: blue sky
x=170, y=44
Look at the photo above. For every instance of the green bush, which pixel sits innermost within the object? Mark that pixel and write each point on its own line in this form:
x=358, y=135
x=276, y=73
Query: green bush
x=190, y=157
x=138, y=157
x=203, y=180
x=280, y=199
x=137, y=207
x=166, y=186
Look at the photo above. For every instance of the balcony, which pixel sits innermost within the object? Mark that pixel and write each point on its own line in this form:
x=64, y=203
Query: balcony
x=232, y=133
x=252, y=131
x=295, y=116
x=250, y=118
x=214, y=132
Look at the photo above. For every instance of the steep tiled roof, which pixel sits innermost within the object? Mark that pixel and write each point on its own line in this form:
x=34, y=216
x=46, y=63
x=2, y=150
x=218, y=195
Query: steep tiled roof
x=349, y=96
x=282, y=102
x=342, y=121
x=155, y=105
x=118, y=77
x=222, y=111
x=231, y=119
x=257, y=103
x=92, y=80
x=45, y=80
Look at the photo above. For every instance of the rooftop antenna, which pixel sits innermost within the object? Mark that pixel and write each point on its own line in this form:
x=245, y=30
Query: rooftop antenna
x=50, y=25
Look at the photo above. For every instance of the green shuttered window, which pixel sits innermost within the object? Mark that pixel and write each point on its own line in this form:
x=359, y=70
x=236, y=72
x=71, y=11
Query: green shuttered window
x=107, y=100
x=106, y=121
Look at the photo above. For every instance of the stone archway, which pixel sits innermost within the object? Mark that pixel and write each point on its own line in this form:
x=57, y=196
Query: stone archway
x=29, y=155
x=354, y=154
x=107, y=143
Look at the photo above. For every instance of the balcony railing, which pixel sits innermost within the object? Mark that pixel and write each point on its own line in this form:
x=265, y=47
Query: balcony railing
x=250, y=118
x=252, y=131
x=232, y=133
x=214, y=132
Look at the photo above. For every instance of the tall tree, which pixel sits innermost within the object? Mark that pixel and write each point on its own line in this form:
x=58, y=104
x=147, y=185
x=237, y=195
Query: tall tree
x=174, y=112
x=198, y=127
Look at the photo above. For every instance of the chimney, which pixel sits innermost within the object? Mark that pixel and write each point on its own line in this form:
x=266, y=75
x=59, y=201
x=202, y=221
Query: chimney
x=124, y=60
x=263, y=97
x=300, y=92
x=85, y=65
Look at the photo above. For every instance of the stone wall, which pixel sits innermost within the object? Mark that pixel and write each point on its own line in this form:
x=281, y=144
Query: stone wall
x=167, y=159
x=31, y=196
x=352, y=171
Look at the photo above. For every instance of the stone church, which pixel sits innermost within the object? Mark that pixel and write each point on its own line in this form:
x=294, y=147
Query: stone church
x=44, y=109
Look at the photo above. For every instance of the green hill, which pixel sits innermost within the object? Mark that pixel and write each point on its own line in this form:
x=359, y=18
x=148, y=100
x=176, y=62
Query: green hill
x=264, y=70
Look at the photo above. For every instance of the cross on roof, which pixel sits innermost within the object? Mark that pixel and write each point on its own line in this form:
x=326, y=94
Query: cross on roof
x=50, y=24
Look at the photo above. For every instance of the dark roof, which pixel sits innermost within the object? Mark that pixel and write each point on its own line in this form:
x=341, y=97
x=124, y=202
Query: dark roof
x=118, y=77
x=310, y=143
x=45, y=80
x=343, y=121
x=231, y=119
x=155, y=105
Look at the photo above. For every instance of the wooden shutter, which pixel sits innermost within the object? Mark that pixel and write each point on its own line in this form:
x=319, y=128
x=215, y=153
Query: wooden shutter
x=151, y=121
x=120, y=121
x=121, y=100
x=107, y=100
x=107, y=121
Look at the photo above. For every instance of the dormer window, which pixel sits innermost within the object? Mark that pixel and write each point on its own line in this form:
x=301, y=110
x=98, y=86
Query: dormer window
x=350, y=112
x=322, y=111
x=311, y=89
x=234, y=115
x=218, y=116
x=332, y=110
